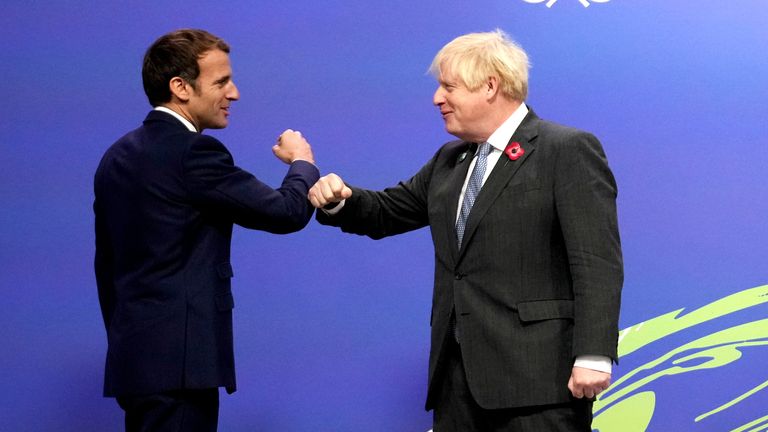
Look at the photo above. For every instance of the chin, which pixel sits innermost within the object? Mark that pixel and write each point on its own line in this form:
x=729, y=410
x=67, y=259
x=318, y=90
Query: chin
x=455, y=132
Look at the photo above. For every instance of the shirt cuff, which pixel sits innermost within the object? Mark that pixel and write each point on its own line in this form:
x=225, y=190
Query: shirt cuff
x=303, y=160
x=337, y=208
x=594, y=362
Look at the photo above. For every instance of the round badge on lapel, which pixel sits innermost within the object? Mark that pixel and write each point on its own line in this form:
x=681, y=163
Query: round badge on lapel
x=514, y=151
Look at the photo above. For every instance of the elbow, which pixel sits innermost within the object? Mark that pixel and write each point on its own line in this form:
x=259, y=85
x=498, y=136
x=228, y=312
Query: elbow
x=289, y=228
x=293, y=222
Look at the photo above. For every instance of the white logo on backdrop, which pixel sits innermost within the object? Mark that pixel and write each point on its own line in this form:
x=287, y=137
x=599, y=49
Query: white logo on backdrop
x=550, y=3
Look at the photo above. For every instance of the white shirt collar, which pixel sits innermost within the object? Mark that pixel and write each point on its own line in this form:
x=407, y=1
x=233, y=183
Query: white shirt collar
x=500, y=138
x=178, y=116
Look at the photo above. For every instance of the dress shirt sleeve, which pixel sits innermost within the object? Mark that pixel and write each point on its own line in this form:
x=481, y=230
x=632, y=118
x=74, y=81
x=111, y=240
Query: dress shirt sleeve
x=335, y=209
x=594, y=362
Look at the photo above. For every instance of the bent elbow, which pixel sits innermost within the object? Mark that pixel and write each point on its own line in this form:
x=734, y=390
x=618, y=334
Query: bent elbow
x=292, y=222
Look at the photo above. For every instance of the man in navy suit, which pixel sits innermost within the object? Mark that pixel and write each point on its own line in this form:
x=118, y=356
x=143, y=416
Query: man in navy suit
x=166, y=199
x=528, y=266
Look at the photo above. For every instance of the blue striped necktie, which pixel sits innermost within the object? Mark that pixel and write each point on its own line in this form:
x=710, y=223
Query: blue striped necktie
x=473, y=188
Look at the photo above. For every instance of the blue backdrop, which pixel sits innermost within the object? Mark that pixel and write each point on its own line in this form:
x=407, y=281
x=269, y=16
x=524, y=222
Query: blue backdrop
x=331, y=330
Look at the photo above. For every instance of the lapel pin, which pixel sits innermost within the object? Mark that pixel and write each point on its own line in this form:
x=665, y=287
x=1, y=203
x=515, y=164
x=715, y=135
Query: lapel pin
x=462, y=156
x=514, y=151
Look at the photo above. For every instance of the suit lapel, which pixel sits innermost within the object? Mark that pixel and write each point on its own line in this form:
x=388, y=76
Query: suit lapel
x=502, y=173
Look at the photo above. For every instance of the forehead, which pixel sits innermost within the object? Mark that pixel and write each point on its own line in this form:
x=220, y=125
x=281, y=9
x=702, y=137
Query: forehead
x=446, y=74
x=452, y=71
x=214, y=62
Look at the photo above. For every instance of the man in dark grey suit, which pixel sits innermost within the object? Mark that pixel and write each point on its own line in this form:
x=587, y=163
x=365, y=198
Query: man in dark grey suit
x=528, y=266
x=166, y=199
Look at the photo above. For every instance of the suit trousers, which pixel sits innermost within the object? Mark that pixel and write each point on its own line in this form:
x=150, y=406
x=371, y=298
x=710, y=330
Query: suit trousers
x=174, y=411
x=456, y=409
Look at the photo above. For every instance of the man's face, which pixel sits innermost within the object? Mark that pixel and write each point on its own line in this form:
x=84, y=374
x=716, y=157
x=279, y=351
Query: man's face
x=463, y=110
x=214, y=91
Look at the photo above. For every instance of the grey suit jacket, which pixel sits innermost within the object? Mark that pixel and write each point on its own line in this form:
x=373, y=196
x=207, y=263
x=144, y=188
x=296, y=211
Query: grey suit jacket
x=538, y=278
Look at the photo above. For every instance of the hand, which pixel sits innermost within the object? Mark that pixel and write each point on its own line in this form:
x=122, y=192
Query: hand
x=291, y=146
x=587, y=382
x=329, y=189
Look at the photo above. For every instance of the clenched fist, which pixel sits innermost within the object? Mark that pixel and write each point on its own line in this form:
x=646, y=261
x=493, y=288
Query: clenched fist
x=291, y=146
x=587, y=383
x=329, y=189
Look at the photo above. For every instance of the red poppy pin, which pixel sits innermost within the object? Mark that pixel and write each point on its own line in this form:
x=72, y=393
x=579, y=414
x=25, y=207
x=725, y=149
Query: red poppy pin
x=514, y=151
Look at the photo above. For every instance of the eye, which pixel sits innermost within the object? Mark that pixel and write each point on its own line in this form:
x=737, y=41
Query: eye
x=222, y=82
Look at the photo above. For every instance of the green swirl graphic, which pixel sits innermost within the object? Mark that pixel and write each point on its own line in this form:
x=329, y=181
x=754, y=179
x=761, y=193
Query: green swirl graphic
x=628, y=405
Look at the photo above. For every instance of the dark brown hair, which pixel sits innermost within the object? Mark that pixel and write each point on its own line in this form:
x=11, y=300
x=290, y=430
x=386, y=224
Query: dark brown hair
x=175, y=55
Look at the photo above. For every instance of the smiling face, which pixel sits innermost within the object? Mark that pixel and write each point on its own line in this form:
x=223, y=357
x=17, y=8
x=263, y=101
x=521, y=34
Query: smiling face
x=214, y=91
x=464, y=111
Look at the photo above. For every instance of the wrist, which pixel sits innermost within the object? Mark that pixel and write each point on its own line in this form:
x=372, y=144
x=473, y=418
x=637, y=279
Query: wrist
x=332, y=209
x=305, y=159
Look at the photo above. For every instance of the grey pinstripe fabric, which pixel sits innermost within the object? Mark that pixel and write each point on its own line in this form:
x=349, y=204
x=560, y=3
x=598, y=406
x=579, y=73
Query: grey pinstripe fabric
x=538, y=279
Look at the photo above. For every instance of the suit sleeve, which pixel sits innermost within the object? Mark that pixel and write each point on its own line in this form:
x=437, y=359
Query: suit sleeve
x=379, y=214
x=217, y=185
x=102, y=264
x=585, y=197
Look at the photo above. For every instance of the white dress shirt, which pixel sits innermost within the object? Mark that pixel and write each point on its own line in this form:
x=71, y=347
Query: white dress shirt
x=498, y=141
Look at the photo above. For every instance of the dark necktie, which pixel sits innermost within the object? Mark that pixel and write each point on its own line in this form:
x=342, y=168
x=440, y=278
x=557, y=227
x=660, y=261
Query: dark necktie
x=473, y=188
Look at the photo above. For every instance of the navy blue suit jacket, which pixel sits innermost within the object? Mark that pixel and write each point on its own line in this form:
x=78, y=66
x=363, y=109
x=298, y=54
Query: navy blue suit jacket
x=165, y=202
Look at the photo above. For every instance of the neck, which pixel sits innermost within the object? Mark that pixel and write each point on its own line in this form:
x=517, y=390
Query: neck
x=181, y=110
x=497, y=115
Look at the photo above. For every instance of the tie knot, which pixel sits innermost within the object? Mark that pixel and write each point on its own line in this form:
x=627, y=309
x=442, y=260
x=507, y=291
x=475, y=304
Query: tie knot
x=484, y=150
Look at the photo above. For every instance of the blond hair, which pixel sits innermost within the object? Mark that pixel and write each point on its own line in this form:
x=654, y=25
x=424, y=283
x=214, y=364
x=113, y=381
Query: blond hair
x=474, y=57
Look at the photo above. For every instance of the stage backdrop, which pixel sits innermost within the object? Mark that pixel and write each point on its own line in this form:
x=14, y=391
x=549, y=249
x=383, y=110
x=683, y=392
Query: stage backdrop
x=331, y=330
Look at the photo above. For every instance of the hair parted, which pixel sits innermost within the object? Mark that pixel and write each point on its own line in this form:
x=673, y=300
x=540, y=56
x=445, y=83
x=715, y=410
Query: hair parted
x=175, y=55
x=474, y=57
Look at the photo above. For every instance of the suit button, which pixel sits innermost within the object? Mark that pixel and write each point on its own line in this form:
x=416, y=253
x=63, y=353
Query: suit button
x=458, y=276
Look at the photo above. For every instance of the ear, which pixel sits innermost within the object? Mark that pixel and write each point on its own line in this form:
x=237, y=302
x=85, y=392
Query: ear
x=491, y=87
x=180, y=88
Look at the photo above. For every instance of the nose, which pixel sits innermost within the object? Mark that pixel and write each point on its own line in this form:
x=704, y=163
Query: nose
x=234, y=93
x=439, y=97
